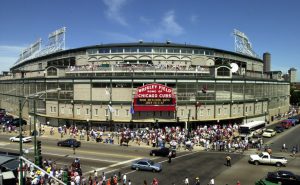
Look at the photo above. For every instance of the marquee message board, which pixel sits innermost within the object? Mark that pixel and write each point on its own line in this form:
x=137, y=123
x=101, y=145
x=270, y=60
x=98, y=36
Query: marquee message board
x=154, y=97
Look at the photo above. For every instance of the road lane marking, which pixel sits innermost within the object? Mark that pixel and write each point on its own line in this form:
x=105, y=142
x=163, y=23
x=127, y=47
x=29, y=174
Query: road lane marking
x=111, y=166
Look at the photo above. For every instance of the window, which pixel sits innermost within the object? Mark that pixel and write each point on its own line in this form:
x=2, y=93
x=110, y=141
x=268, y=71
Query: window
x=116, y=112
x=96, y=112
x=62, y=110
x=198, y=51
x=104, y=50
x=189, y=51
x=223, y=71
x=78, y=111
x=117, y=50
x=201, y=112
x=173, y=50
x=106, y=112
x=87, y=111
x=130, y=50
x=181, y=112
x=40, y=66
x=246, y=109
x=160, y=50
x=51, y=109
x=219, y=111
x=250, y=108
x=145, y=50
x=225, y=111
x=51, y=71
x=92, y=51
x=127, y=112
x=208, y=112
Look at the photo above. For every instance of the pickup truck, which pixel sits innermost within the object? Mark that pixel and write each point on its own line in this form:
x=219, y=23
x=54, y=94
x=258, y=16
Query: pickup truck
x=266, y=158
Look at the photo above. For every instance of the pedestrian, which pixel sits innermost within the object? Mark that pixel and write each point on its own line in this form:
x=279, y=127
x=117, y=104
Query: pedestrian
x=170, y=156
x=294, y=150
x=129, y=182
x=124, y=178
x=197, y=181
x=228, y=160
x=283, y=148
x=186, y=181
x=212, y=181
x=74, y=149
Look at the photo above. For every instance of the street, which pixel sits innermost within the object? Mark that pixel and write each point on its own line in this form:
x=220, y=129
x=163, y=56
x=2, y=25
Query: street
x=112, y=159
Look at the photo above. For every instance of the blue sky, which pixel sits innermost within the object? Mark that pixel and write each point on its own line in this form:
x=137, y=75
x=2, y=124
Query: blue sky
x=271, y=25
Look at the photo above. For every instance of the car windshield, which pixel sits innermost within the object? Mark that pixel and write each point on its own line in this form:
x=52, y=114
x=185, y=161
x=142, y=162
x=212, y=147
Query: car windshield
x=151, y=162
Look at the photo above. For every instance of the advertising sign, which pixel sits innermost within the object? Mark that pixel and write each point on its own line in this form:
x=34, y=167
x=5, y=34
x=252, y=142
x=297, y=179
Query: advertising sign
x=154, y=97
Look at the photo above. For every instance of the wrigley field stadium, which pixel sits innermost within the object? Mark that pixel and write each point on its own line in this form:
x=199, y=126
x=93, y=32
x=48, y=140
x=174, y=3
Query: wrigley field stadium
x=142, y=84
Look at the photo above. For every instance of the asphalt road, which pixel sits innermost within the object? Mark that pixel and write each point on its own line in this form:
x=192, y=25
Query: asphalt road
x=206, y=165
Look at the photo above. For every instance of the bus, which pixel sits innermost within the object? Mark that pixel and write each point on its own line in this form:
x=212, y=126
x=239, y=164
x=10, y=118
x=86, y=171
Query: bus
x=251, y=128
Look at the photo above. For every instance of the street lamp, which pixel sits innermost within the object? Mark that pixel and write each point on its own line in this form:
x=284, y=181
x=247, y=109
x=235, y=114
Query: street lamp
x=87, y=129
x=197, y=104
x=21, y=105
x=29, y=125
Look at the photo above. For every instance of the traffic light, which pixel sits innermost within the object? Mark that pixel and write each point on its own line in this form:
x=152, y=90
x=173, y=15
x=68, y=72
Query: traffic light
x=39, y=158
x=39, y=148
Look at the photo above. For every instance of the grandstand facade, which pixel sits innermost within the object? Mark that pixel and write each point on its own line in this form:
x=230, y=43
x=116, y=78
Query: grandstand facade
x=142, y=84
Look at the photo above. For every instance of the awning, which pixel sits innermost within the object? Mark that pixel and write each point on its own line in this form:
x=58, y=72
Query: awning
x=11, y=165
x=8, y=175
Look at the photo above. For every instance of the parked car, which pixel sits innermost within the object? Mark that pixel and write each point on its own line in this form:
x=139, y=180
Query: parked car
x=294, y=120
x=69, y=143
x=6, y=119
x=146, y=164
x=15, y=122
x=269, y=133
x=286, y=123
x=266, y=158
x=162, y=152
x=279, y=129
x=285, y=177
x=17, y=139
x=264, y=182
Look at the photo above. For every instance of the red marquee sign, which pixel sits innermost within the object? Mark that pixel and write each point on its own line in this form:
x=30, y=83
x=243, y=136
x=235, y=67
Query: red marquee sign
x=154, y=97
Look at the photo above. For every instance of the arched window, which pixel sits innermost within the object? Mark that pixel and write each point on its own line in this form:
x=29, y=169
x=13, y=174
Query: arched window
x=223, y=71
x=52, y=71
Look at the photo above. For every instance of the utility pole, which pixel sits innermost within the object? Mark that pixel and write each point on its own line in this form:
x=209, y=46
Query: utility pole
x=34, y=127
x=21, y=149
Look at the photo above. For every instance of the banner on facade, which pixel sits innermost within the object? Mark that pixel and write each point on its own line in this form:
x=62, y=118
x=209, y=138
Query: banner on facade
x=154, y=97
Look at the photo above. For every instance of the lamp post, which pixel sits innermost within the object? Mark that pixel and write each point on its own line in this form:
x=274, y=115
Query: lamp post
x=87, y=129
x=197, y=104
x=21, y=105
x=189, y=126
x=29, y=125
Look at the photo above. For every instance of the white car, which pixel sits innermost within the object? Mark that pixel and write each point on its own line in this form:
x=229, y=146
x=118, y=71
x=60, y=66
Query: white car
x=17, y=139
x=269, y=133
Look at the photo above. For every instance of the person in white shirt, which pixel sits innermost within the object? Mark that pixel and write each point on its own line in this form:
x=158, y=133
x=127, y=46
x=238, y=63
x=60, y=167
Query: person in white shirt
x=186, y=181
x=212, y=181
x=77, y=180
x=124, y=178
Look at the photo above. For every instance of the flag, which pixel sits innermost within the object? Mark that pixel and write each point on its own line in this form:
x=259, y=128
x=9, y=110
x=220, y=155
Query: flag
x=131, y=109
x=110, y=108
x=106, y=91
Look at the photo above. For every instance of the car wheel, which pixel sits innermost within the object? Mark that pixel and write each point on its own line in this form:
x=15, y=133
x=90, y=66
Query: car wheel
x=136, y=168
x=256, y=162
x=278, y=164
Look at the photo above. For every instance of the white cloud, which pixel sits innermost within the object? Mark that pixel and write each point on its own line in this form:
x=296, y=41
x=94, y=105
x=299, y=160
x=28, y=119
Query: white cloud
x=114, y=10
x=167, y=26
